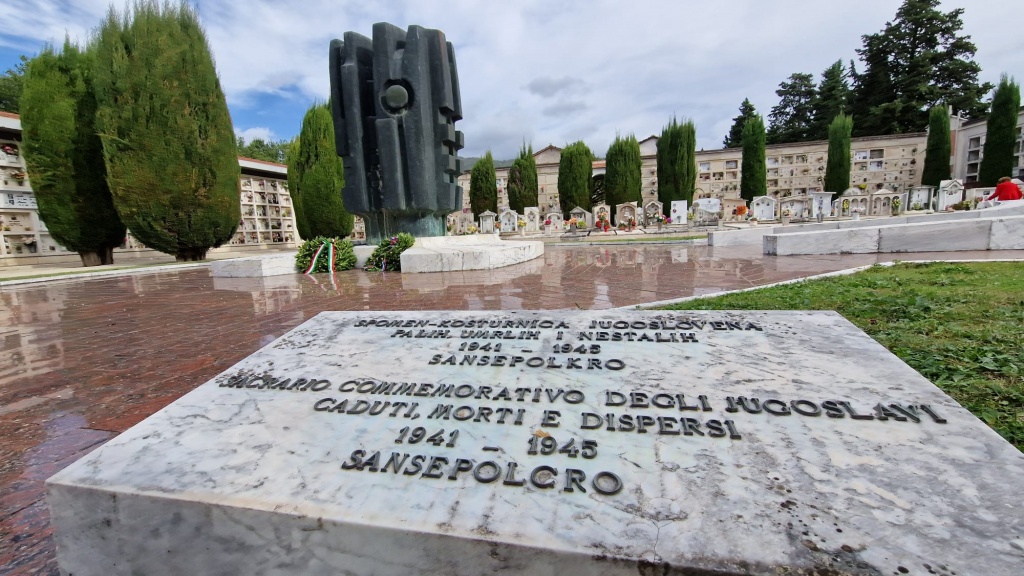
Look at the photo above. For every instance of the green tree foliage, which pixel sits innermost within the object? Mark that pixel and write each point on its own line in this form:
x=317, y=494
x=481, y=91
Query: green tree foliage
x=597, y=190
x=999, y=155
x=11, y=86
x=65, y=156
x=734, y=139
x=291, y=158
x=522, y=181
x=575, y=174
x=623, y=166
x=790, y=120
x=917, y=61
x=483, y=186
x=832, y=98
x=168, y=142
x=837, y=168
x=677, y=164
x=753, y=173
x=321, y=176
x=936, y=158
x=260, y=149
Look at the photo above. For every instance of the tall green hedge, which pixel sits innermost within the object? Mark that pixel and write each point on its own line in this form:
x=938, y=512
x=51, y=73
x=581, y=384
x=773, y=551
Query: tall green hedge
x=320, y=175
x=676, y=161
x=168, y=142
x=65, y=156
x=623, y=165
x=575, y=171
x=936, y=158
x=483, y=186
x=999, y=155
x=753, y=174
x=291, y=158
x=522, y=181
x=837, y=167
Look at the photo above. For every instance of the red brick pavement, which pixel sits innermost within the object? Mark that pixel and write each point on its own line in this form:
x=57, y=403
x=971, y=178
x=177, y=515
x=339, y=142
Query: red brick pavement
x=83, y=360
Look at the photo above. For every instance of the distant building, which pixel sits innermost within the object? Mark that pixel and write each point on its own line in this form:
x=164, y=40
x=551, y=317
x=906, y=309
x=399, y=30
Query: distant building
x=968, y=147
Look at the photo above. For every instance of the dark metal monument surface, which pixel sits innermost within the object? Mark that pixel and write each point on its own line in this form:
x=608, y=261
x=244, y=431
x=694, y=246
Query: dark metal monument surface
x=395, y=101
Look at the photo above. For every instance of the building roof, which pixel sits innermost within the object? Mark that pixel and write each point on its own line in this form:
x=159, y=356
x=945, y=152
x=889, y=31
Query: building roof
x=253, y=165
x=10, y=121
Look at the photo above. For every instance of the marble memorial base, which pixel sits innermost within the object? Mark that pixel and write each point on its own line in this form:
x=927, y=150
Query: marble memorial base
x=472, y=252
x=254, y=266
x=558, y=443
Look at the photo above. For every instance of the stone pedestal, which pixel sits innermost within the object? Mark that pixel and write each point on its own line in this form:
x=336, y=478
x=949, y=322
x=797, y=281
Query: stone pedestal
x=475, y=252
x=254, y=266
x=554, y=443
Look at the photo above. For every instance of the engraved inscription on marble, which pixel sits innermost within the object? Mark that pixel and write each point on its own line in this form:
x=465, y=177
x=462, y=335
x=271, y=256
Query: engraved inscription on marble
x=473, y=346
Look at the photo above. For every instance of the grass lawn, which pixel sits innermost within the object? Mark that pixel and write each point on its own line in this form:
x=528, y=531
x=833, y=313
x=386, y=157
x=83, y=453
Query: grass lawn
x=960, y=325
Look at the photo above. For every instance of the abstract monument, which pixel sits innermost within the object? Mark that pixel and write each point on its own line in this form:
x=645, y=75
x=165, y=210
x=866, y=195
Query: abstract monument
x=395, y=102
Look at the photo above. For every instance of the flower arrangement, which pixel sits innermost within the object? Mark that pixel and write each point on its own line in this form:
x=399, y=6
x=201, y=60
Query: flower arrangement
x=471, y=230
x=19, y=175
x=862, y=186
x=846, y=204
x=632, y=222
x=28, y=240
x=659, y=218
x=521, y=223
x=581, y=224
x=787, y=213
x=547, y=222
x=741, y=210
x=690, y=216
x=10, y=150
x=896, y=203
x=387, y=255
x=314, y=255
x=668, y=220
x=571, y=223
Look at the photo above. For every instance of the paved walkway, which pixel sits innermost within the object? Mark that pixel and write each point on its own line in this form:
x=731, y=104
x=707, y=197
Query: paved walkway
x=82, y=360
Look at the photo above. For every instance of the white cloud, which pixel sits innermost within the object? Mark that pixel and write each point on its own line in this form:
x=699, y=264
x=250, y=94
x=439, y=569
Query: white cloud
x=250, y=134
x=549, y=72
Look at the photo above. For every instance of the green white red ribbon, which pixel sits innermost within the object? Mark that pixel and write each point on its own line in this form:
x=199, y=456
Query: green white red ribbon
x=316, y=256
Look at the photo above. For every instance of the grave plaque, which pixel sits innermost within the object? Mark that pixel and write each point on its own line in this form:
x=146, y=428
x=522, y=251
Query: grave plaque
x=561, y=442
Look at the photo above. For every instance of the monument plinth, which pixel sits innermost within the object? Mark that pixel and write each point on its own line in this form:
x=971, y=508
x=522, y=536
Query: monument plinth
x=557, y=442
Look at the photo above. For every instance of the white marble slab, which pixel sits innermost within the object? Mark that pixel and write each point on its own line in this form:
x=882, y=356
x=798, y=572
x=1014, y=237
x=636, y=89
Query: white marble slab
x=472, y=252
x=851, y=241
x=1007, y=233
x=746, y=236
x=263, y=470
x=970, y=234
x=254, y=266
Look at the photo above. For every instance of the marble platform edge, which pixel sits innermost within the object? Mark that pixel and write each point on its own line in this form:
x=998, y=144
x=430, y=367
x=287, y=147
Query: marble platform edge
x=254, y=266
x=844, y=272
x=104, y=273
x=460, y=253
x=476, y=554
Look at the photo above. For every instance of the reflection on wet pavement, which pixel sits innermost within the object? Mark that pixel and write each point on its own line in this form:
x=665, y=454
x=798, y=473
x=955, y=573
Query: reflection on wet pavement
x=82, y=360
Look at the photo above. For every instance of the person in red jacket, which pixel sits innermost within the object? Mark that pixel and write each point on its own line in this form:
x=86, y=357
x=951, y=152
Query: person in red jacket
x=1006, y=190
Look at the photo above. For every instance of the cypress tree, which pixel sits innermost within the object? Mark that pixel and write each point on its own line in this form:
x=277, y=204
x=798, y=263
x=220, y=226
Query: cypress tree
x=530, y=188
x=676, y=161
x=753, y=176
x=515, y=187
x=321, y=175
x=575, y=175
x=291, y=158
x=998, y=156
x=668, y=169
x=522, y=181
x=65, y=156
x=686, y=159
x=168, y=143
x=483, y=186
x=936, y=158
x=837, y=167
x=623, y=166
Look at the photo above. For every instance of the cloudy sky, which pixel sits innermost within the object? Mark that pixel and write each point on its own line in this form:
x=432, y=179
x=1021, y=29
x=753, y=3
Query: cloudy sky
x=543, y=71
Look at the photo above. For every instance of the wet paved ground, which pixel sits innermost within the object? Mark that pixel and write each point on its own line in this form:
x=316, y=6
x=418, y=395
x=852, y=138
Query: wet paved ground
x=82, y=360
